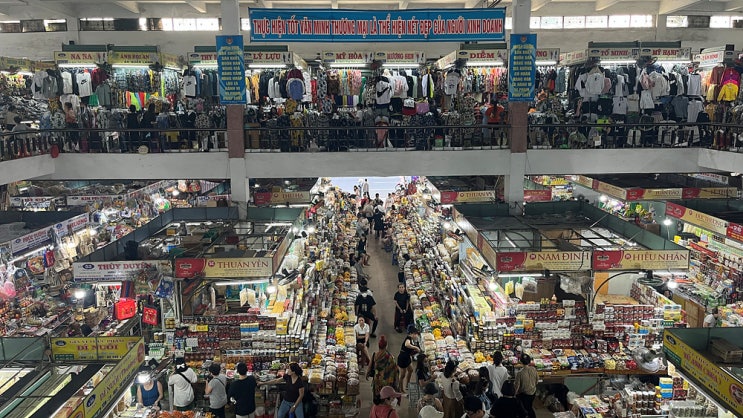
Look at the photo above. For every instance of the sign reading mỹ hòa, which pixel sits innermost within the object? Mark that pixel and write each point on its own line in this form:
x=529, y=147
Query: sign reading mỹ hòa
x=641, y=260
x=540, y=260
x=347, y=57
x=187, y=268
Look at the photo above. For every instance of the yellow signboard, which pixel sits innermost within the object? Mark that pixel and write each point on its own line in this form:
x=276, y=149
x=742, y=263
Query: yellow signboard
x=92, y=348
x=104, y=393
x=704, y=373
x=583, y=181
x=694, y=217
x=170, y=60
x=224, y=267
x=611, y=190
x=79, y=57
x=134, y=58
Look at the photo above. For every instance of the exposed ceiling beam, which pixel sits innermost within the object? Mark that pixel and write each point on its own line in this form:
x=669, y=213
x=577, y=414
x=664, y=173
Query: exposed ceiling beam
x=403, y=4
x=538, y=4
x=670, y=6
x=605, y=4
x=58, y=10
x=733, y=6
x=131, y=6
x=199, y=6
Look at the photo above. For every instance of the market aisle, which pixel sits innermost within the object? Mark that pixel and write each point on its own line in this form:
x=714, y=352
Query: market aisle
x=384, y=285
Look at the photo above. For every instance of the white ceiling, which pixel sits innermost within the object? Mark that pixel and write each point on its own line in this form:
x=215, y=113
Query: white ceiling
x=191, y=8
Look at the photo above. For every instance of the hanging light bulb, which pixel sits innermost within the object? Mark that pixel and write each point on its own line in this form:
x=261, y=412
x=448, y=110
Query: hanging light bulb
x=672, y=284
x=492, y=285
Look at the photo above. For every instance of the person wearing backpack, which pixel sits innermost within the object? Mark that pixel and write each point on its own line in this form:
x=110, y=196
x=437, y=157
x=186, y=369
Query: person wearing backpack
x=181, y=381
x=216, y=388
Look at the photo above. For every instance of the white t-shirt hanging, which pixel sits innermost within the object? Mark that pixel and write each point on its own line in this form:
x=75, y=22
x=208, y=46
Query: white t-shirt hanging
x=620, y=106
x=189, y=86
x=694, y=87
x=384, y=92
x=595, y=83
x=84, y=85
x=451, y=83
x=66, y=83
x=633, y=103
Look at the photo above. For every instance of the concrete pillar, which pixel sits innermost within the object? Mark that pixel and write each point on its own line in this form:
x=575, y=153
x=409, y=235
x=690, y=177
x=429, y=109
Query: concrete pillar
x=235, y=134
x=518, y=119
x=513, y=187
x=239, y=185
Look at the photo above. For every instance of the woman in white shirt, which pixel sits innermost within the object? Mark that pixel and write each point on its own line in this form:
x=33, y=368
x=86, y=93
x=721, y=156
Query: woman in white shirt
x=452, y=395
x=181, y=381
x=362, y=339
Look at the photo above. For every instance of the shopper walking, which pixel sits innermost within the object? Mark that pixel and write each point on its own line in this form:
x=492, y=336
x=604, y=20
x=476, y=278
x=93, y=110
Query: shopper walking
x=292, y=402
x=451, y=393
x=365, y=306
x=403, y=310
x=242, y=393
x=386, y=403
x=526, y=385
x=383, y=368
x=362, y=331
x=149, y=393
x=408, y=351
x=507, y=406
x=216, y=388
x=422, y=377
x=430, y=390
x=181, y=381
x=378, y=223
x=358, y=266
x=498, y=373
x=363, y=256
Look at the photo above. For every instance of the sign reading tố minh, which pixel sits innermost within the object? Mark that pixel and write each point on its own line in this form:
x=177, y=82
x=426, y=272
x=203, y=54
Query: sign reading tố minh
x=336, y=25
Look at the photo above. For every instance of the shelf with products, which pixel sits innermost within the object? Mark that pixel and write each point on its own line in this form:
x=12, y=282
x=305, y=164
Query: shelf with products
x=717, y=271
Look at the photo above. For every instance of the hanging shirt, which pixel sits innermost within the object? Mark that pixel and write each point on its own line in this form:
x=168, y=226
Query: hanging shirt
x=66, y=83
x=384, y=91
x=693, y=110
x=84, y=84
x=694, y=85
x=619, y=106
x=189, y=86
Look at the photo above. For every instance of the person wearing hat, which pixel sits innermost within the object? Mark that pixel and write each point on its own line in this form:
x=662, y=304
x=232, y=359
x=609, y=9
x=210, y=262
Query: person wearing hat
x=382, y=368
x=473, y=408
x=429, y=399
x=429, y=411
x=385, y=403
x=405, y=359
x=149, y=392
x=181, y=381
x=526, y=384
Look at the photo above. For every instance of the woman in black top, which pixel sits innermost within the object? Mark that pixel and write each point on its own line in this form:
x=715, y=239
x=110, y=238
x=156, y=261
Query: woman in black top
x=292, y=402
x=403, y=310
x=132, y=122
x=405, y=359
x=378, y=223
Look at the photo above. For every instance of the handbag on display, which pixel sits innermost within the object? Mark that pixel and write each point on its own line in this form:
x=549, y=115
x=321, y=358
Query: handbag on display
x=125, y=309
x=149, y=315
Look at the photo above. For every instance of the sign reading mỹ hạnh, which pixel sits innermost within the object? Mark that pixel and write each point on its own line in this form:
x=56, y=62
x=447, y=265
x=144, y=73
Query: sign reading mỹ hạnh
x=641, y=260
x=522, y=67
x=186, y=268
x=269, y=57
x=667, y=54
x=540, y=260
x=109, y=270
x=336, y=25
x=231, y=69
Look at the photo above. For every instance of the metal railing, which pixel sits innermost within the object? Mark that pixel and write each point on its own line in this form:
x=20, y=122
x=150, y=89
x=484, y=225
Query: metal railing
x=28, y=143
x=376, y=138
x=719, y=136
